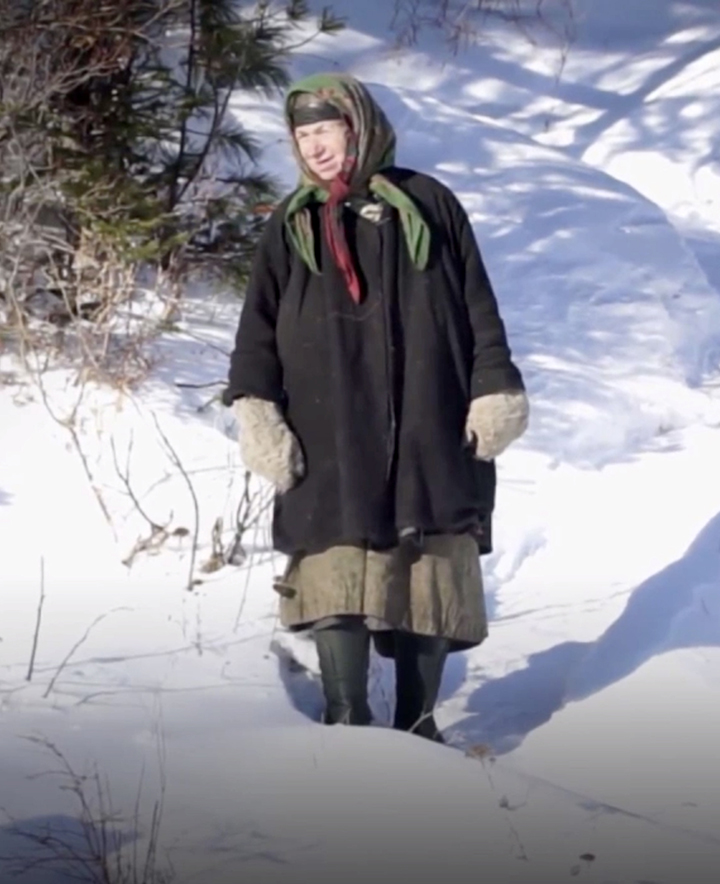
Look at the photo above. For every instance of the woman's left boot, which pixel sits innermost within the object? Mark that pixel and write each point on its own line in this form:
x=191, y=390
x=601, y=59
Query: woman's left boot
x=419, y=664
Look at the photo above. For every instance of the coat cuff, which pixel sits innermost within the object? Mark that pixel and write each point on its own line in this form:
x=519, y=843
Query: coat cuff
x=485, y=382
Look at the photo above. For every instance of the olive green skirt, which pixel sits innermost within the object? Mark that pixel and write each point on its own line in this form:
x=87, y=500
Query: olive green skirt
x=435, y=589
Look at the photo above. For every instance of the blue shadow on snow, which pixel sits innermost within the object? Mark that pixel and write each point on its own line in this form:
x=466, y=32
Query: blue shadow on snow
x=54, y=849
x=679, y=607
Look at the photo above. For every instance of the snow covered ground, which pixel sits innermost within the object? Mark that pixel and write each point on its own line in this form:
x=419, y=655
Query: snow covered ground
x=598, y=691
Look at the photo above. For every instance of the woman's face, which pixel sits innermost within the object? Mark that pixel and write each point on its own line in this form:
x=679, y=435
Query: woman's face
x=323, y=147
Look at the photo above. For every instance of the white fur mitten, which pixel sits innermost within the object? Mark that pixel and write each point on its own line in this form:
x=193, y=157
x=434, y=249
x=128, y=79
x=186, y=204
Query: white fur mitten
x=268, y=446
x=495, y=421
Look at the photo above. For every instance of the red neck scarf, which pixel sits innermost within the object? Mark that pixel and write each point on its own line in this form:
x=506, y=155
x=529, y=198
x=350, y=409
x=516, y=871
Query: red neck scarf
x=334, y=228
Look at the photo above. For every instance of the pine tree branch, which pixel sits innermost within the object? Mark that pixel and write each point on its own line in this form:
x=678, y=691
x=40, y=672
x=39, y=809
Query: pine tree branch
x=218, y=116
x=174, y=197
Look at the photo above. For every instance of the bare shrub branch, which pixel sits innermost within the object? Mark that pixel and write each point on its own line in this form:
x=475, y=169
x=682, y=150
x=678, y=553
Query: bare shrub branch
x=251, y=509
x=70, y=424
x=97, y=852
x=191, y=581
x=38, y=621
x=158, y=533
x=78, y=644
x=462, y=22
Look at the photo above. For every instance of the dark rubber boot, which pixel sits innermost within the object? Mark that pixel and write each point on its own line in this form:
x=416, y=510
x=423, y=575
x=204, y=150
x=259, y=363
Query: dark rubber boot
x=419, y=664
x=344, y=656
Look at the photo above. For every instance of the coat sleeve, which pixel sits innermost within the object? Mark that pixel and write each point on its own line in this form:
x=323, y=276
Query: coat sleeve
x=493, y=368
x=255, y=368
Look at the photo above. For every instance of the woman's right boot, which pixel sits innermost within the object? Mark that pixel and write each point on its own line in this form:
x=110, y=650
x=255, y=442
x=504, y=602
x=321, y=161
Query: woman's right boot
x=344, y=655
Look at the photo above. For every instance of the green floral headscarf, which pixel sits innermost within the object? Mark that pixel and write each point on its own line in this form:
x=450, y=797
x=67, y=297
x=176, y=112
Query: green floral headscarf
x=375, y=145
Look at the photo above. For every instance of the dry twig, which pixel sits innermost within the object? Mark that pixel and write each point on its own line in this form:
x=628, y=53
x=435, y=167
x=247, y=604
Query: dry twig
x=38, y=620
x=191, y=582
x=158, y=533
x=76, y=646
x=96, y=852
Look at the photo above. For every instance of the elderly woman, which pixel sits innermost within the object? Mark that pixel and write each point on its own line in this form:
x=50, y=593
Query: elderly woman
x=373, y=386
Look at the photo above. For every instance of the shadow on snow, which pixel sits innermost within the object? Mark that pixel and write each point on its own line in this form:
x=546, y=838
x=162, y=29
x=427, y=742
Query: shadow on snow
x=56, y=849
x=677, y=608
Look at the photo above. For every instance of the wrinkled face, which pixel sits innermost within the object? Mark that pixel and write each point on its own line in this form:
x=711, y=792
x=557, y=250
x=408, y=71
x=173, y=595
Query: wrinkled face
x=323, y=147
